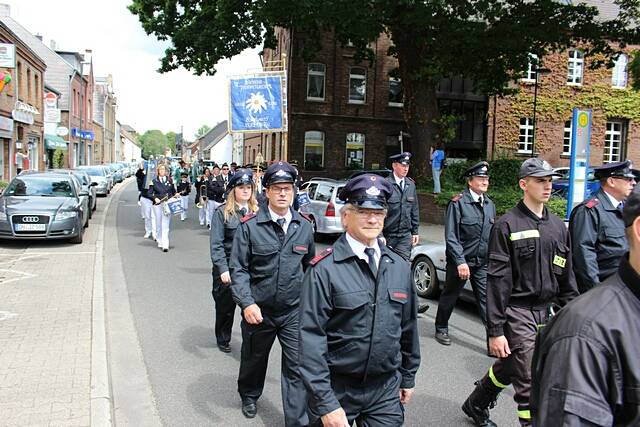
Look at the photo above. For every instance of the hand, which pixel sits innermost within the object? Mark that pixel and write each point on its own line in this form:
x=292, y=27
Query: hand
x=498, y=346
x=415, y=239
x=225, y=278
x=252, y=314
x=405, y=395
x=463, y=271
x=335, y=418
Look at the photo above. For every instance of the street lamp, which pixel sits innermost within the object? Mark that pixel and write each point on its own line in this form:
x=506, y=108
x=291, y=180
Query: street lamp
x=535, y=104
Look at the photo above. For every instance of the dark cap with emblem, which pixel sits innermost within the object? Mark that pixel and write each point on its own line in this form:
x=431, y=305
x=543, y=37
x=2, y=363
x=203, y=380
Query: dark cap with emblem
x=402, y=158
x=279, y=172
x=367, y=191
x=184, y=174
x=241, y=177
x=479, y=169
x=631, y=209
x=615, y=169
x=537, y=168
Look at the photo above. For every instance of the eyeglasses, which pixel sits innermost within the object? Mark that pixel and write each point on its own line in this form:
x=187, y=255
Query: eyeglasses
x=371, y=213
x=225, y=169
x=278, y=190
x=626, y=178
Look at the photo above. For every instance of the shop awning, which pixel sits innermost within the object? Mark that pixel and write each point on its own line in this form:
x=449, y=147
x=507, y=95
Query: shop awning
x=53, y=142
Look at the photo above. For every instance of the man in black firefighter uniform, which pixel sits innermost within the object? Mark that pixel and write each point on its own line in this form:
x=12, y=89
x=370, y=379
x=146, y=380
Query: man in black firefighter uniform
x=529, y=268
x=586, y=369
x=468, y=221
x=403, y=216
x=359, y=348
x=270, y=251
x=597, y=228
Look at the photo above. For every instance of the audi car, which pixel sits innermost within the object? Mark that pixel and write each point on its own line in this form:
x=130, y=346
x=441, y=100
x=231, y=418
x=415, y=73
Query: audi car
x=43, y=206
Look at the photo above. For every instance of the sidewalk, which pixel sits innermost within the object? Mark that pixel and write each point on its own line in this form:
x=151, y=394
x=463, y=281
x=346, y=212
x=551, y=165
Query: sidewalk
x=46, y=302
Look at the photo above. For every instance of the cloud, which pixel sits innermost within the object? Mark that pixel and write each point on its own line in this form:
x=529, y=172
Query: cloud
x=146, y=99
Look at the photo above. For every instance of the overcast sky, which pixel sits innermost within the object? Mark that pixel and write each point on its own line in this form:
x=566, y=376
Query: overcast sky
x=146, y=99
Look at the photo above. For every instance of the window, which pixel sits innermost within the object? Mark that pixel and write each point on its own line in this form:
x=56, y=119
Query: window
x=75, y=106
x=566, y=140
x=311, y=190
x=530, y=74
x=619, y=73
x=19, y=73
x=575, y=65
x=316, y=82
x=1, y=159
x=396, y=95
x=526, y=135
x=313, y=150
x=355, y=151
x=37, y=86
x=613, y=141
x=28, y=100
x=357, y=85
x=323, y=193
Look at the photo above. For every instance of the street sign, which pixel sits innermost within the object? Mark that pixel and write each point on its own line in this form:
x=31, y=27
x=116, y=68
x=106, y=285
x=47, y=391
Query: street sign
x=256, y=104
x=580, y=141
x=50, y=100
x=7, y=55
x=62, y=131
x=52, y=115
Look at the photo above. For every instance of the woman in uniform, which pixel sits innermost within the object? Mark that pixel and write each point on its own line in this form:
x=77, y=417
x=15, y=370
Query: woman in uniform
x=160, y=191
x=240, y=200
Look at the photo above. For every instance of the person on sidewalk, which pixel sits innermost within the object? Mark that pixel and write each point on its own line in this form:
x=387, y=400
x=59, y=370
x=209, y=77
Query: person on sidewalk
x=586, y=369
x=240, y=201
x=146, y=204
x=184, y=189
x=597, y=228
x=359, y=339
x=468, y=221
x=160, y=191
x=437, y=160
x=271, y=250
x=529, y=269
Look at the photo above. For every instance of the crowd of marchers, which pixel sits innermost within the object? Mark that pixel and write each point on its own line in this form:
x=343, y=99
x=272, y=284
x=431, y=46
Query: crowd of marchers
x=346, y=318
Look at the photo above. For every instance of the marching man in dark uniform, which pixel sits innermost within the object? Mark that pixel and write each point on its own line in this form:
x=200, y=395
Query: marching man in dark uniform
x=271, y=250
x=184, y=188
x=586, y=369
x=468, y=221
x=359, y=348
x=403, y=216
x=529, y=268
x=597, y=228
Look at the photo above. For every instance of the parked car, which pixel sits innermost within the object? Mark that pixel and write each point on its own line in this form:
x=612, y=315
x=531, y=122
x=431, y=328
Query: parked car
x=560, y=185
x=324, y=209
x=118, y=176
x=88, y=187
x=124, y=168
x=99, y=176
x=43, y=205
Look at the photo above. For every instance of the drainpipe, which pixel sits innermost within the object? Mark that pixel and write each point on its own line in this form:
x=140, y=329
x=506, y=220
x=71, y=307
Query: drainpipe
x=70, y=104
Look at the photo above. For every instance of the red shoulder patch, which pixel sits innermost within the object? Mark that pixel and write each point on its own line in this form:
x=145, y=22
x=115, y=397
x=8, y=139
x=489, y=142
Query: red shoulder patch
x=322, y=255
x=247, y=217
x=456, y=197
x=592, y=203
x=305, y=216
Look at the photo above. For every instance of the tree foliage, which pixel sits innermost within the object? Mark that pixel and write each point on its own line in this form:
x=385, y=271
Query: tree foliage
x=201, y=131
x=487, y=41
x=153, y=142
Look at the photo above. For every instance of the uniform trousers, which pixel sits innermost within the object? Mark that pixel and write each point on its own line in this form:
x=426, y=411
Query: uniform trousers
x=225, y=309
x=452, y=288
x=146, y=206
x=202, y=214
x=520, y=330
x=401, y=243
x=185, y=206
x=257, y=341
x=212, y=205
x=374, y=403
x=163, y=223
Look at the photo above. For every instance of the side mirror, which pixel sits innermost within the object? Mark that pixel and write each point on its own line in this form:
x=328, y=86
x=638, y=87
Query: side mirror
x=93, y=184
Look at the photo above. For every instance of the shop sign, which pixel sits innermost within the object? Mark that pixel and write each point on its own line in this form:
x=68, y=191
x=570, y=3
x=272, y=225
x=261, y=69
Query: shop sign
x=62, y=131
x=7, y=55
x=82, y=134
x=52, y=115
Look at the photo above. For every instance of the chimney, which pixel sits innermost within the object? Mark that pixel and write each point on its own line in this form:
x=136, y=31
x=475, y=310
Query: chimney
x=87, y=55
x=5, y=10
x=39, y=37
x=53, y=46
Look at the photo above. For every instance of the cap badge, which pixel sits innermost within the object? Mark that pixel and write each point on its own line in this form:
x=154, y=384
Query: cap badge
x=373, y=191
x=373, y=178
x=483, y=169
x=281, y=173
x=245, y=176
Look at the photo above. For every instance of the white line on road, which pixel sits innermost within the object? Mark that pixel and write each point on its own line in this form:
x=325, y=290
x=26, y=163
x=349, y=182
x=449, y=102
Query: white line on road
x=24, y=275
x=6, y=315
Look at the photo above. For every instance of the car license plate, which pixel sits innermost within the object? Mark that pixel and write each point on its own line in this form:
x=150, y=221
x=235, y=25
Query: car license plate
x=30, y=227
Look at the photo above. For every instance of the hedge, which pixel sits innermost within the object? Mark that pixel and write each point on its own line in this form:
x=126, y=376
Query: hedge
x=503, y=187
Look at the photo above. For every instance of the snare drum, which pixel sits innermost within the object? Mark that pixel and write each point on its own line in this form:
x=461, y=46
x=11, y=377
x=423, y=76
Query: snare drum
x=173, y=207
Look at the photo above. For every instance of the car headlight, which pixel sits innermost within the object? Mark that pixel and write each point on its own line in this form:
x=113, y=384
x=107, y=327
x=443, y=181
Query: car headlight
x=65, y=215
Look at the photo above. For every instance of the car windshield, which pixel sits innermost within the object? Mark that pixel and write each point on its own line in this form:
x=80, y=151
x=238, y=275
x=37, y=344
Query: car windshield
x=82, y=177
x=40, y=186
x=338, y=201
x=94, y=171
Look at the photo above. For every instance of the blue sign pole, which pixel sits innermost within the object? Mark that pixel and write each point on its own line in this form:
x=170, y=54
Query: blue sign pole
x=579, y=172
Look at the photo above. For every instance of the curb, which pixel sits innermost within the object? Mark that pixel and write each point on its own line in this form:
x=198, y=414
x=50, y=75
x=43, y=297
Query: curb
x=101, y=396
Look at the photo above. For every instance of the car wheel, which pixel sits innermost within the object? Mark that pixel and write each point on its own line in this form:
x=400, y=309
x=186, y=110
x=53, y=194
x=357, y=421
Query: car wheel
x=425, y=278
x=78, y=239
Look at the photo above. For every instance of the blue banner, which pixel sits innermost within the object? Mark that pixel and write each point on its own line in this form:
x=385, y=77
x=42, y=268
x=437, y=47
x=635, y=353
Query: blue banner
x=256, y=104
x=150, y=167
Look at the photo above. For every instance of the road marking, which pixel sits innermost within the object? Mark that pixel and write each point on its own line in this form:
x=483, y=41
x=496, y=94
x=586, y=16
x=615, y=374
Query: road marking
x=4, y=277
x=6, y=315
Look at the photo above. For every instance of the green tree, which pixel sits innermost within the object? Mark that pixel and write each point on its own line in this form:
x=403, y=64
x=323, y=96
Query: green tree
x=171, y=140
x=201, y=131
x=153, y=142
x=488, y=41
x=58, y=158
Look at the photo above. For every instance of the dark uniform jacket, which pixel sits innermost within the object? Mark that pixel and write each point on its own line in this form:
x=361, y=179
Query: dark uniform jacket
x=597, y=235
x=586, y=368
x=466, y=229
x=529, y=264
x=403, y=215
x=353, y=326
x=221, y=238
x=198, y=184
x=215, y=189
x=160, y=190
x=140, y=178
x=264, y=271
x=184, y=188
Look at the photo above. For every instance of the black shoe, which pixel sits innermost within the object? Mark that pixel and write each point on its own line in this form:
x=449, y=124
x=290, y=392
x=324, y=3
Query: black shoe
x=249, y=409
x=480, y=416
x=443, y=338
x=481, y=399
x=165, y=250
x=422, y=308
x=225, y=348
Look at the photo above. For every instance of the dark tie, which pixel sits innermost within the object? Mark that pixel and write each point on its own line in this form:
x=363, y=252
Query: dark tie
x=481, y=200
x=620, y=206
x=281, y=222
x=371, y=254
x=402, y=185
x=243, y=211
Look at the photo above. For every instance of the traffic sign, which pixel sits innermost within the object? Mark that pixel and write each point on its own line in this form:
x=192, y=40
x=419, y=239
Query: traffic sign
x=50, y=99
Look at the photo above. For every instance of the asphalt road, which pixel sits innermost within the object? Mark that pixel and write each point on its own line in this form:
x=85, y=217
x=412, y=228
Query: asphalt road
x=194, y=384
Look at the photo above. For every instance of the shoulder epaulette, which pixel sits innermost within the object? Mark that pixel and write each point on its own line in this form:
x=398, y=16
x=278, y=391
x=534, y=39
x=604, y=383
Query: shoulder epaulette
x=395, y=251
x=592, y=203
x=305, y=216
x=322, y=255
x=410, y=180
x=456, y=197
x=247, y=217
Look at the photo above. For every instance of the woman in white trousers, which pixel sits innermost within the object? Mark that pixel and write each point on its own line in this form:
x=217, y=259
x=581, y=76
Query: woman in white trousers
x=161, y=190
